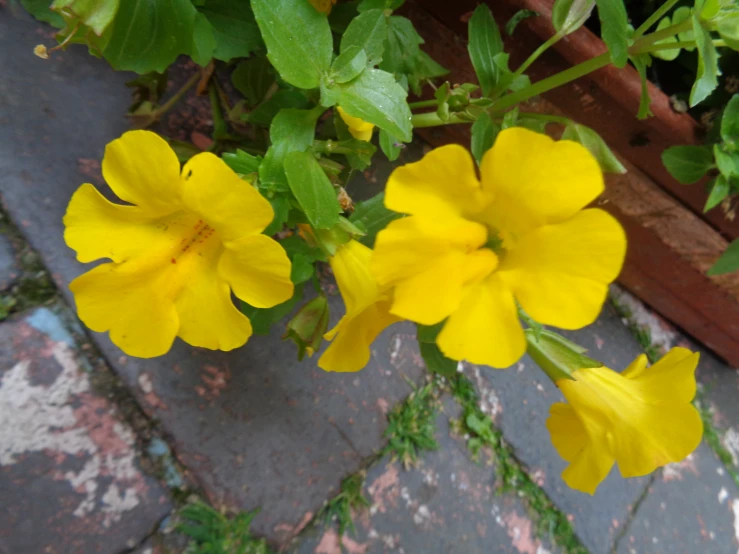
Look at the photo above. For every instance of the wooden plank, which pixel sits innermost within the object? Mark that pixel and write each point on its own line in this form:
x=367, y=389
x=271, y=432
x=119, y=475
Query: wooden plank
x=606, y=100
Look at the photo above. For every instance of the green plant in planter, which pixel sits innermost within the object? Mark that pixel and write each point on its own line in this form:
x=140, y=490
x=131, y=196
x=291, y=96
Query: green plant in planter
x=472, y=247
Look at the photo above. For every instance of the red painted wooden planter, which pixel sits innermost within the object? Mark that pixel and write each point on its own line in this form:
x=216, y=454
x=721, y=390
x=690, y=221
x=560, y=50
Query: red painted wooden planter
x=671, y=242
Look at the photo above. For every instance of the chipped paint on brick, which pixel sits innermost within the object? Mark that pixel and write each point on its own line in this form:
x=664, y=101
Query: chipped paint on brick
x=675, y=471
x=731, y=443
x=385, y=490
x=661, y=333
x=64, y=421
x=489, y=401
x=520, y=530
x=330, y=544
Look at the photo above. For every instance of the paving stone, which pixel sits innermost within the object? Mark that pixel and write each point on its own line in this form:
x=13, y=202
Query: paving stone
x=692, y=506
x=255, y=427
x=447, y=504
x=70, y=479
x=519, y=399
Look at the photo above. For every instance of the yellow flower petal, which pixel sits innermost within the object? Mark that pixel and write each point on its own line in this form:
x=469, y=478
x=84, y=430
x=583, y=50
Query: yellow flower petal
x=125, y=300
x=208, y=317
x=642, y=419
x=142, y=169
x=350, y=349
x=356, y=284
x=589, y=468
x=534, y=180
x=568, y=433
x=359, y=129
x=442, y=184
x=485, y=329
x=96, y=228
x=258, y=270
x=560, y=273
x=227, y=203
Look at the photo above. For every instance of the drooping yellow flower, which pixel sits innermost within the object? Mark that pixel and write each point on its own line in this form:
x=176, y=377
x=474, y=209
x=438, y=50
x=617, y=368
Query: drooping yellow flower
x=367, y=310
x=188, y=239
x=360, y=130
x=323, y=6
x=642, y=419
x=471, y=248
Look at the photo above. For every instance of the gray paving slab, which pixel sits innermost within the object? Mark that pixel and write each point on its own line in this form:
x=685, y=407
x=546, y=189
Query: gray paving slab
x=692, y=506
x=446, y=505
x=519, y=399
x=255, y=427
x=70, y=477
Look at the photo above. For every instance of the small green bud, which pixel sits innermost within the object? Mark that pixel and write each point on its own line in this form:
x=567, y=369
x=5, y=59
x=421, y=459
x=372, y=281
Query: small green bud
x=558, y=357
x=308, y=326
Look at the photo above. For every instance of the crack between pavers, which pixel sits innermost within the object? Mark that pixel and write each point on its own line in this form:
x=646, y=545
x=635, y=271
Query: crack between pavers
x=149, y=535
x=631, y=517
x=347, y=439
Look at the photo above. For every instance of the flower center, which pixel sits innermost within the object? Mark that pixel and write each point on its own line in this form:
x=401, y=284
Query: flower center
x=195, y=241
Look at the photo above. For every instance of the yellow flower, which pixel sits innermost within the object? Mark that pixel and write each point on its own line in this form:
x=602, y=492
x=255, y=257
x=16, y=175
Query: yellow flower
x=471, y=248
x=360, y=130
x=641, y=418
x=177, y=252
x=367, y=310
x=323, y=6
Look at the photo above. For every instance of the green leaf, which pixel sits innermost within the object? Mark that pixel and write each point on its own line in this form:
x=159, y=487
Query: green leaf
x=641, y=62
x=517, y=18
x=253, y=78
x=147, y=36
x=403, y=56
x=728, y=28
x=591, y=140
x=242, y=162
x=282, y=99
x=390, y=145
x=367, y=31
x=291, y=131
x=681, y=14
x=41, y=10
x=375, y=97
x=730, y=121
x=484, y=44
x=484, y=132
x=667, y=55
x=569, y=15
x=718, y=190
x=708, y=70
x=728, y=262
x=688, y=164
x=428, y=333
x=349, y=64
x=96, y=14
x=615, y=32
x=366, y=5
x=315, y=193
x=505, y=77
x=234, y=29
x=203, y=41
x=281, y=205
x=372, y=216
x=298, y=38
x=436, y=362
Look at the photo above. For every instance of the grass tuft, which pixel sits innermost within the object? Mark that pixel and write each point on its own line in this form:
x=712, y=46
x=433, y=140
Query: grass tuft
x=212, y=532
x=349, y=500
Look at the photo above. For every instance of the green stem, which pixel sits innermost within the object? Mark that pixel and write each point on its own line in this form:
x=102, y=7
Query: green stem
x=538, y=52
x=423, y=104
x=662, y=34
x=432, y=119
x=676, y=45
x=545, y=117
x=654, y=18
x=554, y=81
x=179, y=94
